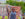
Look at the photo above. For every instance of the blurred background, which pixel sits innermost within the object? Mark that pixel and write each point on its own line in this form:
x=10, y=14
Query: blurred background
x=3, y=3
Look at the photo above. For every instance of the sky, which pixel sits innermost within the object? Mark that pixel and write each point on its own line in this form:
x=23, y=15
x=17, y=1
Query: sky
x=20, y=0
x=2, y=1
x=23, y=0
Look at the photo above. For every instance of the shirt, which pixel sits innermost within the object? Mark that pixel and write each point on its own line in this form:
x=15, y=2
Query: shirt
x=13, y=15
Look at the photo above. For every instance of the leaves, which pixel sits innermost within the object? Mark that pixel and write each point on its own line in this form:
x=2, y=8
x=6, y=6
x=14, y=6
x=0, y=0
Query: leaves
x=14, y=3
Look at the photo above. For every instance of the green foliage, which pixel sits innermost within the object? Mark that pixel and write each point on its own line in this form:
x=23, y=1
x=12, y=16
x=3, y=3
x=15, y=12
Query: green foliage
x=14, y=3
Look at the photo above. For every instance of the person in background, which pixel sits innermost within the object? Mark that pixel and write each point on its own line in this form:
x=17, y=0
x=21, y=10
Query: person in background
x=7, y=11
x=13, y=14
x=18, y=14
x=23, y=15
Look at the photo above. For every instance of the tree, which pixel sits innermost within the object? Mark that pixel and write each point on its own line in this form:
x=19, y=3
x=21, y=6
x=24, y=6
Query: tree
x=14, y=3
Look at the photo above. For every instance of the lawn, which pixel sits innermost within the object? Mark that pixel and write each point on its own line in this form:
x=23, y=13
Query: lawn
x=6, y=17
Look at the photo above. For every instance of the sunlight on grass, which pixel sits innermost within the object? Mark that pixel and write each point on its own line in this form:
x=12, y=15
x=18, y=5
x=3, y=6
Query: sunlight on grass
x=0, y=17
x=6, y=17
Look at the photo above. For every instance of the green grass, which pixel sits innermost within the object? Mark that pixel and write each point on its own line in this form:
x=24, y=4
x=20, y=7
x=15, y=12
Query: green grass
x=6, y=17
x=0, y=17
